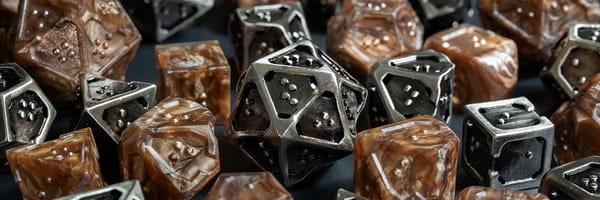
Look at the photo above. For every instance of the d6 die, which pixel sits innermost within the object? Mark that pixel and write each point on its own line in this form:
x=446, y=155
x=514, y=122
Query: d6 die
x=440, y=14
x=574, y=180
x=506, y=144
x=417, y=84
x=576, y=59
x=161, y=19
x=296, y=112
x=127, y=190
x=258, y=31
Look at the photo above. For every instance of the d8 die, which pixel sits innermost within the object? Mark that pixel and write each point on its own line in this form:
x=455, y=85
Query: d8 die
x=108, y=107
x=417, y=84
x=574, y=180
x=296, y=112
x=258, y=31
x=576, y=59
x=506, y=144
x=29, y=113
x=440, y=14
x=161, y=19
x=127, y=190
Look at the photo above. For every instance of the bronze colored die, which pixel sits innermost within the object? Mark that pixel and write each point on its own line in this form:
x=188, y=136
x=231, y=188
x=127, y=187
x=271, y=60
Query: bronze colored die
x=414, y=158
x=365, y=32
x=56, y=40
x=58, y=167
x=577, y=123
x=248, y=186
x=171, y=149
x=486, y=63
x=196, y=71
x=486, y=193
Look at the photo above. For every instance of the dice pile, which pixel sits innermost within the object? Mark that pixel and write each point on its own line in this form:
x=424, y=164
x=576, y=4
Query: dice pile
x=392, y=76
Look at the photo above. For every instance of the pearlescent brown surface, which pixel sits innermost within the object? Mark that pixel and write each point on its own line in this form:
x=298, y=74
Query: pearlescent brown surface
x=56, y=168
x=486, y=193
x=171, y=149
x=577, y=124
x=536, y=25
x=56, y=40
x=196, y=71
x=407, y=159
x=248, y=186
x=250, y=3
x=486, y=63
x=10, y=6
x=365, y=32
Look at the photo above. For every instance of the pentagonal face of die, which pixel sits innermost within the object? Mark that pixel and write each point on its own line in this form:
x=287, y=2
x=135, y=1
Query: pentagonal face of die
x=8, y=78
x=587, y=178
x=28, y=114
x=321, y=120
x=520, y=160
x=579, y=65
x=119, y=116
x=251, y=114
x=289, y=92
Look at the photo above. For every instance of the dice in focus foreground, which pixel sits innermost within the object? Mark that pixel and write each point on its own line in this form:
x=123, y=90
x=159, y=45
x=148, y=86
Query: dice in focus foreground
x=573, y=180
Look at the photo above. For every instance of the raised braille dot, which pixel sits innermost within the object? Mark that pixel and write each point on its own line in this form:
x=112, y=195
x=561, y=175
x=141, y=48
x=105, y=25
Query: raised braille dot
x=120, y=123
x=285, y=96
x=55, y=51
x=191, y=151
x=575, y=62
x=108, y=36
x=284, y=81
x=65, y=45
x=292, y=87
x=174, y=157
x=62, y=59
x=32, y=105
x=105, y=45
x=23, y=103
x=71, y=53
x=122, y=112
x=408, y=102
x=414, y=94
x=407, y=88
x=21, y=114
x=97, y=41
x=293, y=101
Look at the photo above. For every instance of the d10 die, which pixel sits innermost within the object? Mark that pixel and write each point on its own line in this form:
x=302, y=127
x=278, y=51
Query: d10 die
x=417, y=84
x=574, y=180
x=128, y=190
x=258, y=31
x=440, y=14
x=161, y=19
x=506, y=144
x=108, y=107
x=29, y=112
x=576, y=59
x=248, y=185
x=296, y=112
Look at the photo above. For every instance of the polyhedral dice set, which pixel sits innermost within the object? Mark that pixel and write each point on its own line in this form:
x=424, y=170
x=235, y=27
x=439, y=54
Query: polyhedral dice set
x=418, y=94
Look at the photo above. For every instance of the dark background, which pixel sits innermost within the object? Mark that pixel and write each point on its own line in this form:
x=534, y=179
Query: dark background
x=321, y=185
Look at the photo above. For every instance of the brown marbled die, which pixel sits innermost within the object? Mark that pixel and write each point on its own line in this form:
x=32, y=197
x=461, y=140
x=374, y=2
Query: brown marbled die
x=486, y=63
x=248, y=186
x=196, y=71
x=486, y=193
x=414, y=158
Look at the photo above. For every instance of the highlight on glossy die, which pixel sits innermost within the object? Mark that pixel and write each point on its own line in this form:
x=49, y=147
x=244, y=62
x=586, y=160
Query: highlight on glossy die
x=575, y=60
x=59, y=39
x=56, y=168
x=478, y=192
x=160, y=19
x=486, y=63
x=408, y=86
x=506, y=144
x=171, y=149
x=440, y=14
x=366, y=32
x=295, y=112
x=413, y=158
x=347, y=195
x=261, y=30
x=247, y=185
x=574, y=180
x=127, y=190
x=197, y=71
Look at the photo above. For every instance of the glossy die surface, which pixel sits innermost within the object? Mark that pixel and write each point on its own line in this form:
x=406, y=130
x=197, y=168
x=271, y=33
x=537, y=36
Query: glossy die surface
x=486, y=193
x=58, y=167
x=412, y=85
x=441, y=14
x=366, y=32
x=576, y=59
x=414, y=158
x=160, y=19
x=56, y=40
x=249, y=186
x=128, y=190
x=486, y=63
x=573, y=180
x=506, y=144
x=197, y=71
x=258, y=31
x=295, y=112
x=172, y=149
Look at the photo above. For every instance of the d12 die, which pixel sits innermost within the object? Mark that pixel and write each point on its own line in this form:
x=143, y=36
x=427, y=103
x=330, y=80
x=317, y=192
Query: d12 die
x=161, y=19
x=574, y=180
x=29, y=112
x=576, y=60
x=417, y=84
x=128, y=190
x=440, y=14
x=258, y=31
x=296, y=112
x=108, y=107
x=506, y=144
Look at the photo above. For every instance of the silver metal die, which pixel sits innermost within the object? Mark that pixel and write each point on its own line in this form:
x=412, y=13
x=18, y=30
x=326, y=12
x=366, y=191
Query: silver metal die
x=573, y=180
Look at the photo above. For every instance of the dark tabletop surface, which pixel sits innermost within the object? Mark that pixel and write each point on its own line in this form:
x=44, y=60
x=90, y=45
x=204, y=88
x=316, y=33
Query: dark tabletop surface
x=321, y=185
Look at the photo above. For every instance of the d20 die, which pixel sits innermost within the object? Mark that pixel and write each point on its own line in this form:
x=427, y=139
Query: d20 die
x=161, y=19
x=128, y=190
x=506, y=144
x=576, y=60
x=108, y=107
x=414, y=158
x=417, y=84
x=440, y=14
x=478, y=192
x=366, y=32
x=196, y=71
x=57, y=168
x=248, y=185
x=58, y=40
x=574, y=180
x=258, y=31
x=171, y=149
x=296, y=112
x=29, y=113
